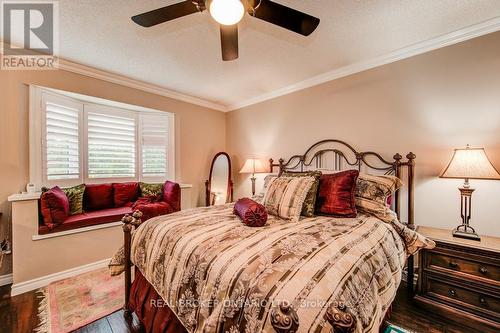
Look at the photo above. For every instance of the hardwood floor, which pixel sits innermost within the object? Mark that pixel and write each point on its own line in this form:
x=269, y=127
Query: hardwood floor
x=19, y=315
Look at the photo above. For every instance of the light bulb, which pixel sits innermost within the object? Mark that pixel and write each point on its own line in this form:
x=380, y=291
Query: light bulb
x=227, y=12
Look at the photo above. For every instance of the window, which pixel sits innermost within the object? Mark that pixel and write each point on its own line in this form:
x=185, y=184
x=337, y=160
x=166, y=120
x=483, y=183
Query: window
x=89, y=140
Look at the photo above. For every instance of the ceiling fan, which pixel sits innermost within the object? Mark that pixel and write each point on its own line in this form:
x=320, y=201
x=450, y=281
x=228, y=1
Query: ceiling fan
x=228, y=13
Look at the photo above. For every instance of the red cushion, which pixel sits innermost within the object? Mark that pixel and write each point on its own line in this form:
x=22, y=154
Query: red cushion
x=124, y=194
x=98, y=196
x=152, y=209
x=252, y=213
x=336, y=194
x=172, y=195
x=54, y=206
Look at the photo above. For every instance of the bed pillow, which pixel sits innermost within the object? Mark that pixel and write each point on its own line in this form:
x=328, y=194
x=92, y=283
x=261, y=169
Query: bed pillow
x=98, y=196
x=252, y=213
x=75, y=197
x=310, y=201
x=125, y=194
x=285, y=196
x=54, y=206
x=148, y=190
x=336, y=194
x=373, y=192
x=260, y=197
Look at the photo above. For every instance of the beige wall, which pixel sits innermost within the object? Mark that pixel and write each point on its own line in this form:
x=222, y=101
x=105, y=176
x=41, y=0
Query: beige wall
x=200, y=132
x=428, y=104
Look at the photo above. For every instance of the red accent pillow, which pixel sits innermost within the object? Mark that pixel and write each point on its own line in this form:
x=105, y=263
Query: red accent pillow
x=98, y=196
x=172, y=195
x=151, y=208
x=336, y=194
x=252, y=214
x=124, y=194
x=54, y=206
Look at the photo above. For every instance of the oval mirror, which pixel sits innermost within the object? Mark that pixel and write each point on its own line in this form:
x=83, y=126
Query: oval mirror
x=219, y=186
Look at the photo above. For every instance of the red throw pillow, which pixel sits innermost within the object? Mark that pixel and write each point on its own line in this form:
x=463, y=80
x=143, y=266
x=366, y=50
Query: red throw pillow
x=253, y=214
x=172, y=195
x=98, y=196
x=336, y=194
x=54, y=206
x=124, y=194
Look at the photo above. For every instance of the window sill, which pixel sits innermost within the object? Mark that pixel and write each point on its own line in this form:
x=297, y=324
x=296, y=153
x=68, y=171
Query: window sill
x=76, y=231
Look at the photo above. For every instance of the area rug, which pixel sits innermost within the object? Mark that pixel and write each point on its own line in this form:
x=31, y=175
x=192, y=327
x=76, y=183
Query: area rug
x=69, y=304
x=395, y=329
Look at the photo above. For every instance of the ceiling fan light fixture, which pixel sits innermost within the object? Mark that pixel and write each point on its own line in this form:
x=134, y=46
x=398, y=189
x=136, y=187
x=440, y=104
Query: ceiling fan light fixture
x=227, y=12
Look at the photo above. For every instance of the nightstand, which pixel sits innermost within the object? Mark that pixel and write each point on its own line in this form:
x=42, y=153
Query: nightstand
x=460, y=279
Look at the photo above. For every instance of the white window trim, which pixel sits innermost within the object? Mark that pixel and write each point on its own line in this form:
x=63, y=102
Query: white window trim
x=37, y=132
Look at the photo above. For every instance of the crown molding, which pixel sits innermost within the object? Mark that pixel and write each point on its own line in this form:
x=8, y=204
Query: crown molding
x=137, y=84
x=454, y=37
x=122, y=80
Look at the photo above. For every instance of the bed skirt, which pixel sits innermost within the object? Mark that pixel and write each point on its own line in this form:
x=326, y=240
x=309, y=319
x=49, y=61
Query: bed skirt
x=153, y=313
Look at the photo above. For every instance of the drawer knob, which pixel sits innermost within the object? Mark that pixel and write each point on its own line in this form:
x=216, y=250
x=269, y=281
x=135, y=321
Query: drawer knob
x=453, y=264
x=482, y=300
x=483, y=270
x=453, y=292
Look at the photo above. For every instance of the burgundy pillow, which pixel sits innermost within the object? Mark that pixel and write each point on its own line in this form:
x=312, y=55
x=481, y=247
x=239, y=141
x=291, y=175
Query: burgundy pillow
x=172, y=195
x=98, y=196
x=336, y=194
x=124, y=194
x=54, y=206
x=252, y=214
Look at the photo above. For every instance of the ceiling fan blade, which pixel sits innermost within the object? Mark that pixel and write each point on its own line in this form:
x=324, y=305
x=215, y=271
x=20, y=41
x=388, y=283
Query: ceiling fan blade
x=229, y=42
x=165, y=14
x=284, y=17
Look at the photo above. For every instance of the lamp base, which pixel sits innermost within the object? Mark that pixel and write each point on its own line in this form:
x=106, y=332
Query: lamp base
x=466, y=234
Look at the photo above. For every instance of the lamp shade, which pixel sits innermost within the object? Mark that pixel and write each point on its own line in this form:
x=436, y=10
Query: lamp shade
x=470, y=163
x=255, y=165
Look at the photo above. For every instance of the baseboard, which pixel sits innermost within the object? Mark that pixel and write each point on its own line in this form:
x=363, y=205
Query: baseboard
x=5, y=279
x=43, y=281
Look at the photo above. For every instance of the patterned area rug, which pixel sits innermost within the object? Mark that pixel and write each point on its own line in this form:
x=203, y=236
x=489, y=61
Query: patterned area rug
x=71, y=303
x=395, y=329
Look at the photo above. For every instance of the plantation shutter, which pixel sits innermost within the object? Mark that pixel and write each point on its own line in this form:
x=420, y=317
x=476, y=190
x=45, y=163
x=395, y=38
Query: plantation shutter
x=111, y=142
x=154, y=143
x=62, y=134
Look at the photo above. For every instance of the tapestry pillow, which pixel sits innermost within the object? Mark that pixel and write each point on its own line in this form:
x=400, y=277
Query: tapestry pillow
x=310, y=201
x=252, y=213
x=372, y=193
x=260, y=197
x=75, y=197
x=98, y=196
x=336, y=194
x=148, y=190
x=124, y=194
x=285, y=196
x=54, y=206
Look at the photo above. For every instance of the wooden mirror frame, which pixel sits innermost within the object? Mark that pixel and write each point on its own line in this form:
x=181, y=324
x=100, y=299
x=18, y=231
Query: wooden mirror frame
x=208, y=185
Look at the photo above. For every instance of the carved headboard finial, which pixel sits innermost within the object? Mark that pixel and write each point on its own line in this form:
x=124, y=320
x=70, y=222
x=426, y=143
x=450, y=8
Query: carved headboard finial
x=284, y=318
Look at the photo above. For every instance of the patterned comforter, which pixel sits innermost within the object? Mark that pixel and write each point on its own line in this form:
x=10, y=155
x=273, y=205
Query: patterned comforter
x=219, y=275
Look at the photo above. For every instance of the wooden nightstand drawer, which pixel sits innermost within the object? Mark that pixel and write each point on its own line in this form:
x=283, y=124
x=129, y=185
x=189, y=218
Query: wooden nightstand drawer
x=451, y=263
x=464, y=297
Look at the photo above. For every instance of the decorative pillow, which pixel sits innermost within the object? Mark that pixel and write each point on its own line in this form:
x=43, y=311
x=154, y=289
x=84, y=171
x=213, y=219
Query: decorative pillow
x=75, y=197
x=285, y=196
x=372, y=193
x=124, y=194
x=310, y=202
x=336, y=194
x=260, y=197
x=172, y=195
x=98, y=196
x=54, y=206
x=252, y=213
x=148, y=190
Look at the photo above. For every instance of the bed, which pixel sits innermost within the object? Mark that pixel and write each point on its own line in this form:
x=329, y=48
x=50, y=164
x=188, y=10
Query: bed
x=202, y=270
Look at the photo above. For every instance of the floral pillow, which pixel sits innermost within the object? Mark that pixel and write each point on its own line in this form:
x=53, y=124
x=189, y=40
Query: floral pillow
x=310, y=201
x=149, y=190
x=285, y=196
x=372, y=193
x=75, y=197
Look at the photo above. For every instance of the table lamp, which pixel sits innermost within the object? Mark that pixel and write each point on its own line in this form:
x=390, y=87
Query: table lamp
x=468, y=163
x=253, y=166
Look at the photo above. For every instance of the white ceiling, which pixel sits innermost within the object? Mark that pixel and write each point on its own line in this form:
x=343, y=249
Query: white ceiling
x=184, y=55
